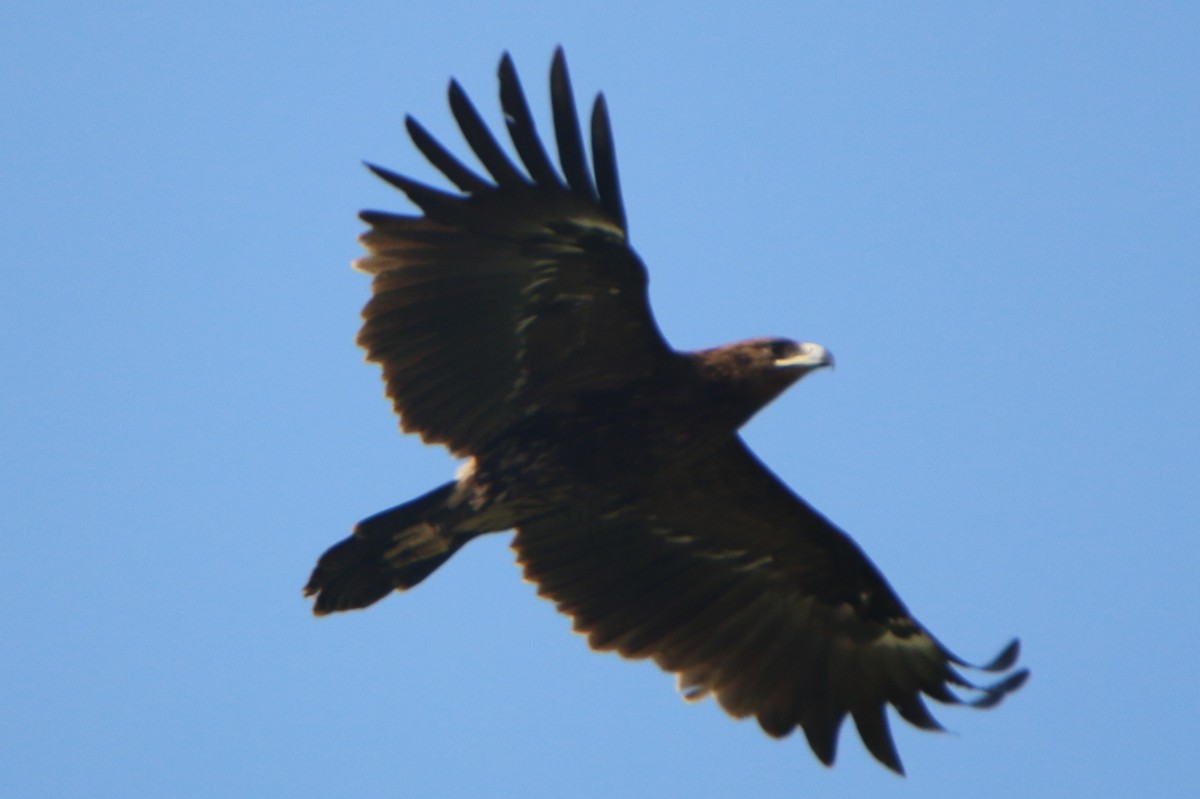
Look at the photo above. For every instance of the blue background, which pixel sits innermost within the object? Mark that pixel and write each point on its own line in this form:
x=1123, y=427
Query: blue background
x=989, y=212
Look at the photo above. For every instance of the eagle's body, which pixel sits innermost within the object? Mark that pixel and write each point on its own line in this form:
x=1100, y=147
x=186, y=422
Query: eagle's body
x=513, y=327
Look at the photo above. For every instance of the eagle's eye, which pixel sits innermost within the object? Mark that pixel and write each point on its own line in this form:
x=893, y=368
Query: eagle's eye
x=782, y=348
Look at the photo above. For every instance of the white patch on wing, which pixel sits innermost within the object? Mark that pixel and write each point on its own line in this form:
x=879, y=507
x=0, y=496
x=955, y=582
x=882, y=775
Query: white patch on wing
x=673, y=536
x=754, y=564
x=916, y=642
x=595, y=225
x=725, y=554
x=465, y=488
x=466, y=470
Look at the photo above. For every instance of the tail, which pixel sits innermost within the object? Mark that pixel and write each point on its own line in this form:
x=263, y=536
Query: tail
x=392, y=550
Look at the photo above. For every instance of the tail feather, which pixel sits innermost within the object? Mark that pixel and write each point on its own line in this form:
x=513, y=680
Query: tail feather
x=392, y=550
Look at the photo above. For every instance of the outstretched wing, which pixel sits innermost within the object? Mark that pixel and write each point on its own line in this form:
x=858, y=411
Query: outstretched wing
x=515, y=294
x=725, y=577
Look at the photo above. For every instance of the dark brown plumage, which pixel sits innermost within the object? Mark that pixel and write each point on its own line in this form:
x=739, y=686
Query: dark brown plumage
x=512, y=324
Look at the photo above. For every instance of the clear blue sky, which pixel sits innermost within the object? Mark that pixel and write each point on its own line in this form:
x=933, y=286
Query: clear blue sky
x=988, y=212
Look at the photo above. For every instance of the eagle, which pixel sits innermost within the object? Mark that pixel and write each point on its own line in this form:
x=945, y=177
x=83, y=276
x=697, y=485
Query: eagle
x=512, y=323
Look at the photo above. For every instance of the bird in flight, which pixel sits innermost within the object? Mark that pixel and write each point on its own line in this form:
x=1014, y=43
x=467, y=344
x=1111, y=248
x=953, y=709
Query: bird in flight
x=512, y=323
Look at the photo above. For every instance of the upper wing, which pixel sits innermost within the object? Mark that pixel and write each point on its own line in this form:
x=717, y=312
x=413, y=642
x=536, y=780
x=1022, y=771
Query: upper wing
x=515, y=294
x=725, y=577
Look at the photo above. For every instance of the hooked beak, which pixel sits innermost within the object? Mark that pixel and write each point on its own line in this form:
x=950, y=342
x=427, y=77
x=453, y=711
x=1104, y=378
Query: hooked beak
x=807, y=356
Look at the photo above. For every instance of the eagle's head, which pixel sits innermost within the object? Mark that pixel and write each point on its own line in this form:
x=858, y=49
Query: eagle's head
x=753, y=372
